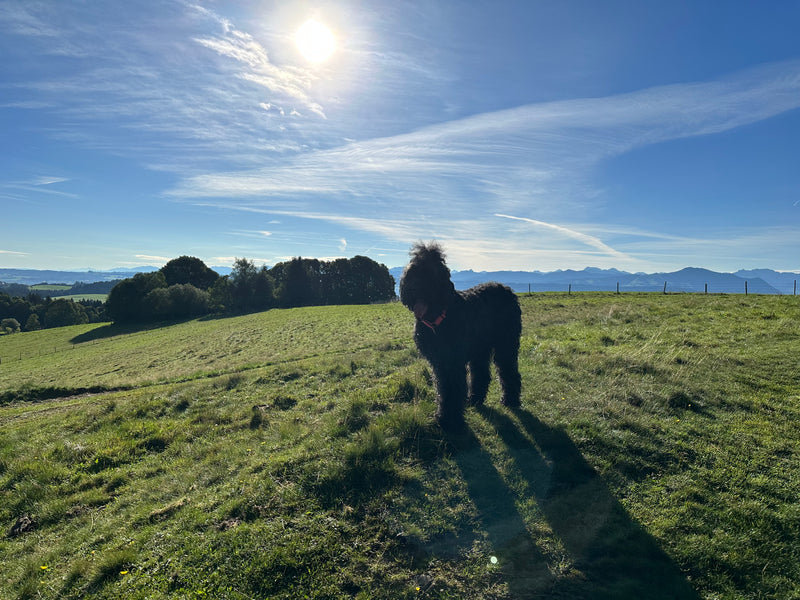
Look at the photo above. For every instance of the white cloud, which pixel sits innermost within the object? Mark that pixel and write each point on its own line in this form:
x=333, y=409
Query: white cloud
x=152, y=258
x=44, y=180
x=540, y=154
x=291, y=82
x=536, y=162
x=570, y=233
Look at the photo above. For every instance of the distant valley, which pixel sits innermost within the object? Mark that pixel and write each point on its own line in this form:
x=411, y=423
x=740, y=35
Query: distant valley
x=36, y=276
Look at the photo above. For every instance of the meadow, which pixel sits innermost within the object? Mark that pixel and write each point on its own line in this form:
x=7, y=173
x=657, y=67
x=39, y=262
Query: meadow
x=292, y=454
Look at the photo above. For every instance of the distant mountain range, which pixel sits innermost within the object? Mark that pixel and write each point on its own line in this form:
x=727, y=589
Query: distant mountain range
x=34, y=276
x=690, y=279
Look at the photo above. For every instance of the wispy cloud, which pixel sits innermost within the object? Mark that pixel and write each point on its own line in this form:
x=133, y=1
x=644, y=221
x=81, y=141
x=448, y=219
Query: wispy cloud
x=291, y=82
x=525, y=150
x=177, y=91
x=37, y=185
x=572, y=234
x=45, y=180
x=216, y=105
x=536, y=162
x=151, y=258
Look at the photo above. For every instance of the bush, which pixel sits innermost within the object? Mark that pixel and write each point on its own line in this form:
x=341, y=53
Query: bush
x=9, y=326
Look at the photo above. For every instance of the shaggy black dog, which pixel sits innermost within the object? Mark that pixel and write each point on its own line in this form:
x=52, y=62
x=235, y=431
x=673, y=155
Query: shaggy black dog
x=458, y=329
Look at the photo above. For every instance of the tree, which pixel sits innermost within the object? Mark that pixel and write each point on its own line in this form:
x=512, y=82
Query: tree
x=178, y=301
x=250, y=288
x=33, y=324
x=191, y=270
x=308, y=282
x=297, y=287
x=9, y=326
x=220, y=295
x=125, y=303
x=61, y=313
x=264, y=290
x=371, y=281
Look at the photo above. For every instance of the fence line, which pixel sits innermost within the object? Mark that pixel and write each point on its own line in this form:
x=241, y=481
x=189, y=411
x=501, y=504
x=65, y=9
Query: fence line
x=664, y=290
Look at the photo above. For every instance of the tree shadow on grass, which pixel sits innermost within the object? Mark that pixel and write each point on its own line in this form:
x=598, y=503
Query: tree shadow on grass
x=112, y=330
x=613, y=556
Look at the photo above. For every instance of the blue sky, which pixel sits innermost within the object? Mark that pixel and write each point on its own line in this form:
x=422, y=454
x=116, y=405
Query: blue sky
x=533, y=135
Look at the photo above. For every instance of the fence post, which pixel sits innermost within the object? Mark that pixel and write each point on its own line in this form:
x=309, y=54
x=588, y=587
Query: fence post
x=706, y=289
x=665, y=287
x=569, y=290
x=795, y=288
x=618, y=287
x=745, y=288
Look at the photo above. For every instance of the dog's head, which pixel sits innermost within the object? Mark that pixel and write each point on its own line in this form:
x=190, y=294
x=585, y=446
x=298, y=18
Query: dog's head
x=425, y=286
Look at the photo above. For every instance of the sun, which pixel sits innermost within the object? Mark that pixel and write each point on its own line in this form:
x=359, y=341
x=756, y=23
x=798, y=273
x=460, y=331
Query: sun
x=315, y=41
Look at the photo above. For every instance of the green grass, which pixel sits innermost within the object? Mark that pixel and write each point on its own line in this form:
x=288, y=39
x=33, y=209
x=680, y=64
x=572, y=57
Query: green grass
x=79, y=297
x=292, y=454
x=50, y=287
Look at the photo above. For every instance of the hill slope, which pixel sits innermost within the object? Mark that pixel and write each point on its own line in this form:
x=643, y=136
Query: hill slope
x=292, y=454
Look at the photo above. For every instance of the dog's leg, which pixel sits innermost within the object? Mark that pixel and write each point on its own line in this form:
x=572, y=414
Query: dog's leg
x=451, y=389
x=506, y=361
x=479, y=377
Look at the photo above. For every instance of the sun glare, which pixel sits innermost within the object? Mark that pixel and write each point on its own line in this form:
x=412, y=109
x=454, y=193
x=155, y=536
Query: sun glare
x=315, y=41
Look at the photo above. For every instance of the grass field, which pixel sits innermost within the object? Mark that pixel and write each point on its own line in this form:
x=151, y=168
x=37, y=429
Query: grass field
x=292, y=454
x=79, y=297
x=50, y=287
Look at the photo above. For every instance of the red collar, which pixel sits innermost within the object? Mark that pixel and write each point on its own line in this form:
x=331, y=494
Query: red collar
x=436, y=322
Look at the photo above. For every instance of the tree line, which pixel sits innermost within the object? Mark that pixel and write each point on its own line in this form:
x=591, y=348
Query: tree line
x=185, y=287
x=34, y=312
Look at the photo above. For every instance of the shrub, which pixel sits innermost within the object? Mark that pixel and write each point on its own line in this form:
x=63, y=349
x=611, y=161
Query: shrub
x=9, y=326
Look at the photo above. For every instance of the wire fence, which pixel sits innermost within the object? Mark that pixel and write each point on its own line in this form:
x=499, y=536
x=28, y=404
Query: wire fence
x=746, y=288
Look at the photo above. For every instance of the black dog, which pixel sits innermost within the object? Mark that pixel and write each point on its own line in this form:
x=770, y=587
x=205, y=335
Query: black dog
x=455, y=329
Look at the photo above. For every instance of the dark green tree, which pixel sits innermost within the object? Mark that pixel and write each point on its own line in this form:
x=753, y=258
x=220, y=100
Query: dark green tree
x=125, y=303
x=370, y=281
x=251, y=288
x=191, y=270
x=33, y=324
x=220, y=295
x=178, y=301
x=61, y=313
x=297, y=285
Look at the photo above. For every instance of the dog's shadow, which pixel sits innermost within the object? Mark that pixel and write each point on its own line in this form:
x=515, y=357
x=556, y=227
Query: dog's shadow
x=608, y=555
